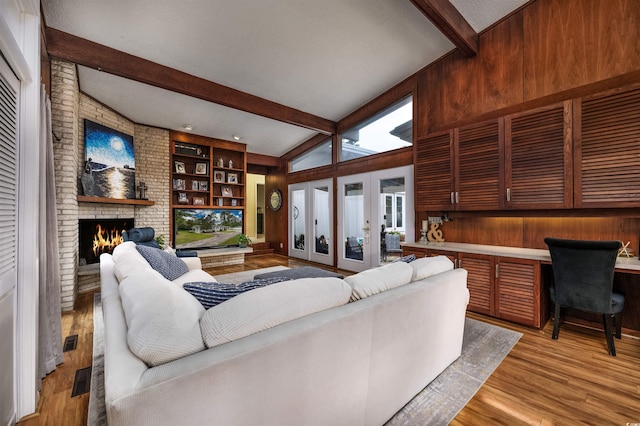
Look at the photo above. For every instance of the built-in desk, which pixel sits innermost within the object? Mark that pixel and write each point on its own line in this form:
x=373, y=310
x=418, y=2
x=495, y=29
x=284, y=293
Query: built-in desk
x=512, y=283
x=623, y=264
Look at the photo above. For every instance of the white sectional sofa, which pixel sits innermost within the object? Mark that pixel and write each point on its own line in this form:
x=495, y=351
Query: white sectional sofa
x=337, y=363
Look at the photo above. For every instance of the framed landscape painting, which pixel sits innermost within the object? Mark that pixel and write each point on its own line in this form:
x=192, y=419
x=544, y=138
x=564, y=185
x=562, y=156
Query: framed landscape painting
x=110, y=166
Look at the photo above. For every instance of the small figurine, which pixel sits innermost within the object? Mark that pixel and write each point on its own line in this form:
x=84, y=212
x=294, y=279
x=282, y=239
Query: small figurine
x=87, y=178
x=230, y=164
x=220, y=162
x=142, y=187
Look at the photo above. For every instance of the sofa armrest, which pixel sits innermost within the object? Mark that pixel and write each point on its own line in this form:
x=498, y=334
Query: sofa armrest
x=192, y=262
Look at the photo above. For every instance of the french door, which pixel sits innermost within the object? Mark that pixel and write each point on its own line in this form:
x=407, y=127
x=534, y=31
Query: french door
x=311, y=221
x=369, y=206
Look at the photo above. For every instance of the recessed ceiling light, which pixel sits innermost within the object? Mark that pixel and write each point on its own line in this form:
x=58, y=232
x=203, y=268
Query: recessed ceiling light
x=188, y=127
x=236, y=137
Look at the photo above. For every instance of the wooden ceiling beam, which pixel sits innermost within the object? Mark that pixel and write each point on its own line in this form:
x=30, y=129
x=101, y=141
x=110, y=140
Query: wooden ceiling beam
x=451, y=23
x=103, y=58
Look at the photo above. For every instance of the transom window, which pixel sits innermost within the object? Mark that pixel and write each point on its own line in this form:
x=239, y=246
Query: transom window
x=315, y=157
x=389, y=129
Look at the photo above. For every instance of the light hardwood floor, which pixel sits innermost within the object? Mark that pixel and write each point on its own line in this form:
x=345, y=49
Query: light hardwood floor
x=568, y=381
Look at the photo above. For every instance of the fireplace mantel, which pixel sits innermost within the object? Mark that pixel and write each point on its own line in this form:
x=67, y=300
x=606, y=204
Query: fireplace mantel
x=88, y=199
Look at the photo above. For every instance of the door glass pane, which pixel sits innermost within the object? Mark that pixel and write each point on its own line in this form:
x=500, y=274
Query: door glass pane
x=321, y=215
x=354, y=220
x=392, y=196
x=298, y=223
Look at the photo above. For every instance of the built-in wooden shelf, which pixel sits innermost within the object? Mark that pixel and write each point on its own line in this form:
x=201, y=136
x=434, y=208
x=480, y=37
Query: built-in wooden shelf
x=88, y=199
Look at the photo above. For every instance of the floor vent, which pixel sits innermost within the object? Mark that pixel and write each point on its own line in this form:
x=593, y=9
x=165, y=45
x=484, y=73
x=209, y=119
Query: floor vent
x=82, y=382
x=70, y=343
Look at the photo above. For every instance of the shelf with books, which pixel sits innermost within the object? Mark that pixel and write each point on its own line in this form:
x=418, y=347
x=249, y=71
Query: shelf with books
x=206, y=172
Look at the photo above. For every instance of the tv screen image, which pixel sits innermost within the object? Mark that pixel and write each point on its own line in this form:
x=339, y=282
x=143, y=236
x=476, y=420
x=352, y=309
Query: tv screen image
x=206, y=228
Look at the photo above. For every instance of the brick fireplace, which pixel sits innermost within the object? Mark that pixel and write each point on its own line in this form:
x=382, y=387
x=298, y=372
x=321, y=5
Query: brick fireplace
x=69, y=108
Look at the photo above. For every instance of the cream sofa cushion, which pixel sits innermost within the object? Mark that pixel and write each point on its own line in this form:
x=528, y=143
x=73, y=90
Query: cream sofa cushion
x=128, y=260
x=427, y=266
x=162, y=318
x=376, y=280
x=266, y=307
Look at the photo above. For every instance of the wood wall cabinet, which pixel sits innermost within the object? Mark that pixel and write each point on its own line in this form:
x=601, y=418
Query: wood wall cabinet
x=538, y=158
x=433, y=171
x=479, y=171
x=607, y=143
x=522, y=161
x=503, y=287
x=461, y=169
x=207, y=172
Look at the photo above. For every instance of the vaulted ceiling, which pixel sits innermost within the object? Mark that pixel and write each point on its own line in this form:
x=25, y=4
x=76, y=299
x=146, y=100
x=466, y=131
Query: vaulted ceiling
x=273, y=72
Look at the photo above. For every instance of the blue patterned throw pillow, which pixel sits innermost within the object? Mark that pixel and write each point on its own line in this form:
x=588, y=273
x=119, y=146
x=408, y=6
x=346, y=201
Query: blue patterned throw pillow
x=407, y=259
x=169, y=266
x=213, y=293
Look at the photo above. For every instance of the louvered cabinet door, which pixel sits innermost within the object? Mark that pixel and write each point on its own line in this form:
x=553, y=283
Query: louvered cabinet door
x=607, y=149
x=538, y=147
x=517, y=289
x=434, y=173
x=480, y=282
x=479, y=172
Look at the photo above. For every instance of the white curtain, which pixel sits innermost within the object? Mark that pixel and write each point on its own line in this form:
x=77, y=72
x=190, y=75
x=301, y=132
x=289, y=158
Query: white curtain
x=50, y=328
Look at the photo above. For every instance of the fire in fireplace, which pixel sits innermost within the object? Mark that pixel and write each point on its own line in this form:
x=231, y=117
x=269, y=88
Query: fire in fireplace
x=97, y=236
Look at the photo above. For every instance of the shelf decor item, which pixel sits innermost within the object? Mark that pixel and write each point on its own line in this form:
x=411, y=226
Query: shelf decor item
x=234, y=202
x=275, y=200
x=180, y=168
x=230, y=164
x=227, y=191
x=179, y=184
x=218, y=176
x=220, y=162
x=182, y=198
x=232, y=178
x=198, y=201
x=201, y=168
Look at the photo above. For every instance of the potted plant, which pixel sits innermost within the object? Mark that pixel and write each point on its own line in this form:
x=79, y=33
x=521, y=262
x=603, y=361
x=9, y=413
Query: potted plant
x=243, y=240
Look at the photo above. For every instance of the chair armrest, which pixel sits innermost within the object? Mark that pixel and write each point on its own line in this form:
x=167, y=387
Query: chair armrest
x=192, y=262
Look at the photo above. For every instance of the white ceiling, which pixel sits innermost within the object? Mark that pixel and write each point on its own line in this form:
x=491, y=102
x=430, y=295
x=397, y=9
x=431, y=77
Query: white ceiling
x=325, y=58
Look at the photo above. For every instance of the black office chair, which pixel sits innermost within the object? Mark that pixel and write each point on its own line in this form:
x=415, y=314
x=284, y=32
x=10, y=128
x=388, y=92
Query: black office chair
x=583, y=273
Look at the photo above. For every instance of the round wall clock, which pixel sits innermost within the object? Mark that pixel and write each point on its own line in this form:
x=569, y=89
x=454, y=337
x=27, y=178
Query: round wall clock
x=275, y=200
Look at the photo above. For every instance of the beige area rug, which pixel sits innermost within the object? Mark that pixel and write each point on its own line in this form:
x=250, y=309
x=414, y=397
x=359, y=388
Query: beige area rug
x=483, y=349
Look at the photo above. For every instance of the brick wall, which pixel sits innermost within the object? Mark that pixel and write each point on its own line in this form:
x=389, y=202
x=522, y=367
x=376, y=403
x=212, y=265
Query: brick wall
x=69, y=109
x=64, y=121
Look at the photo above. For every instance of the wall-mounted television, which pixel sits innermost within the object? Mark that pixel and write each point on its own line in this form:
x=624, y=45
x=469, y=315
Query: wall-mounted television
x=206, y=228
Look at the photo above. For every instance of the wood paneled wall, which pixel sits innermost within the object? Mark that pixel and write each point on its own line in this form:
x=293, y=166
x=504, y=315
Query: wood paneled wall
x=548, y=49
x=530, y=232
x=276, y=222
